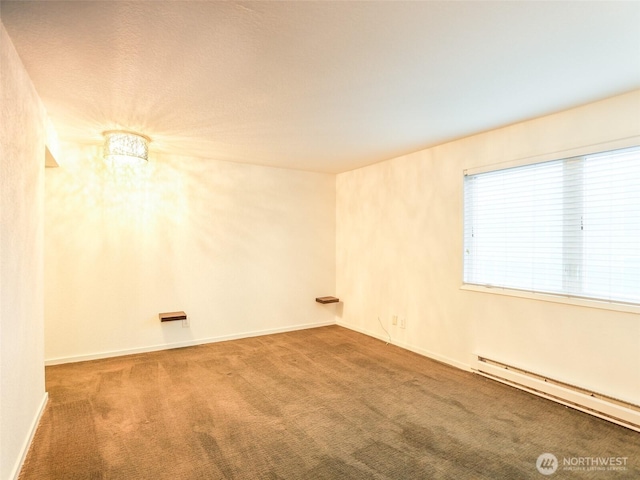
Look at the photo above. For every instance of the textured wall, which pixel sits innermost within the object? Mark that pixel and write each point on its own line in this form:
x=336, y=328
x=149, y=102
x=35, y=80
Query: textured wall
x=21, y=259
x=399, y=252
x=241, y=249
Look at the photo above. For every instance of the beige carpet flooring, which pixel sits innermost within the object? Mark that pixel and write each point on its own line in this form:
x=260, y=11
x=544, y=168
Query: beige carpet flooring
x=324, y=403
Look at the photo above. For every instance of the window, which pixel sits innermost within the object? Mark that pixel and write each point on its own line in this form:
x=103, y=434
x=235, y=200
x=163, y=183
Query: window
x=568, y=227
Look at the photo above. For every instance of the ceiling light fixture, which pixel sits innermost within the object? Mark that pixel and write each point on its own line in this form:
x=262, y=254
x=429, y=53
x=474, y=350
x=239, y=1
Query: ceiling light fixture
x=122, y=147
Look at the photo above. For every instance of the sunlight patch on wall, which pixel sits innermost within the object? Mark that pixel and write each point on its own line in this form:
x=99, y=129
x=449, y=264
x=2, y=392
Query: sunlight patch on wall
x=124, y=197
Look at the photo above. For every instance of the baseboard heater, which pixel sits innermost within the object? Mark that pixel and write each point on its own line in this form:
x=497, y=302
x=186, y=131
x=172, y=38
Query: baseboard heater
x=603, y=406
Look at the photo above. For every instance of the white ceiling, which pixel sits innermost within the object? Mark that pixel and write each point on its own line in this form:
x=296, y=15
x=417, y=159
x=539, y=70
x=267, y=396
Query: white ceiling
x=320, y=86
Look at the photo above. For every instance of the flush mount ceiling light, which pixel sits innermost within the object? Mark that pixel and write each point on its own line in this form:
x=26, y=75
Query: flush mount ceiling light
x=122, y=147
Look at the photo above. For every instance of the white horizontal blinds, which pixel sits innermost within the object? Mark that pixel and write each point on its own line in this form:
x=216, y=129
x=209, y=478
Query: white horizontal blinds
x=514, y=228
x=573, y=225
x=612, y=226
x=568, y=227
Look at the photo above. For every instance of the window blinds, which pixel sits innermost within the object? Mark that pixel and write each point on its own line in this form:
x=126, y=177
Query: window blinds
x=569, y=227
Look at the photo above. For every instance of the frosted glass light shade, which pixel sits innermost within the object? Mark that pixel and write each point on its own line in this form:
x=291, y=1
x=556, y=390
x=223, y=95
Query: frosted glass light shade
x=121, y=147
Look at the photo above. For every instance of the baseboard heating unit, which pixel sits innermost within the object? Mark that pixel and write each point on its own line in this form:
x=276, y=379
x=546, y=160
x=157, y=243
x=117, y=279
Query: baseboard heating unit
x=614, y=410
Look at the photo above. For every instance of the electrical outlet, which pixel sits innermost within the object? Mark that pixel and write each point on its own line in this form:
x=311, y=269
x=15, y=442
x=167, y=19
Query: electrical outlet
x=185, y=323
x=394, y=319
x=403, y=322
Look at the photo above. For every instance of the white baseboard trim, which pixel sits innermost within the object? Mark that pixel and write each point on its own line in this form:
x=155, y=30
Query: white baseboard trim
x=190, y=343
x=406, y=346
x=15, y=473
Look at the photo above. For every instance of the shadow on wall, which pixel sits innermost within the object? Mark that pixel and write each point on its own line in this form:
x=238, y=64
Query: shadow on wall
x=110, y=252
x=238, y=247
x=96, y=210
x=225, y=209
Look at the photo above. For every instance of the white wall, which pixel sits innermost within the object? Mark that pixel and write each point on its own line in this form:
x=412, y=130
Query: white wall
x=399, y=251
x=22, y=145
x=241, y=249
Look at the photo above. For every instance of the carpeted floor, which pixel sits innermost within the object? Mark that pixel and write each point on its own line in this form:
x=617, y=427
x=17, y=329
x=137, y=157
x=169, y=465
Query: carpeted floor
x=325, y=403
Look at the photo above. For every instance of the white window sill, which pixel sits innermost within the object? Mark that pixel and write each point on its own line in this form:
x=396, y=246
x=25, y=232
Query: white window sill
x=547, y=297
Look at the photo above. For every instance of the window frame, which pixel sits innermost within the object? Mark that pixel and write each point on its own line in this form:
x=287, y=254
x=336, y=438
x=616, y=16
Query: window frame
x=626, y=142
